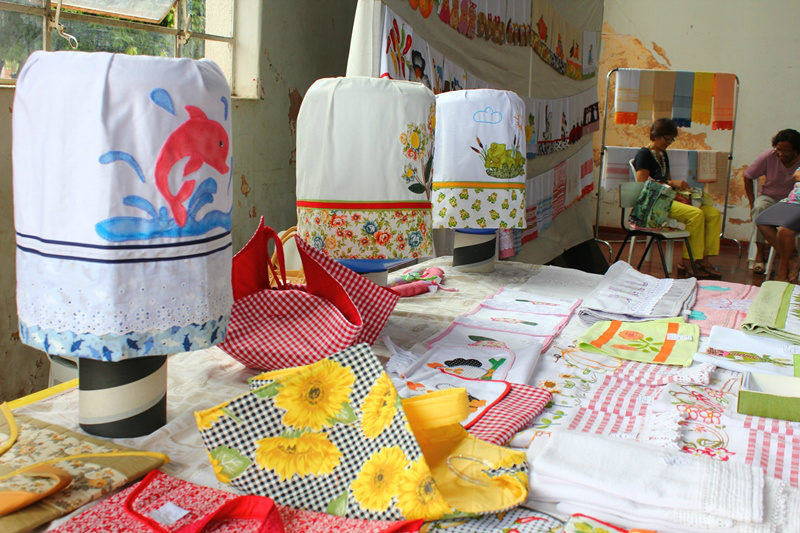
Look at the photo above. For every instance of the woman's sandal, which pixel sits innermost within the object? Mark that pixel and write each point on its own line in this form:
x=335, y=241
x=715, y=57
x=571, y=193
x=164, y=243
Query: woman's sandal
x=759, y=267
x=708, y=271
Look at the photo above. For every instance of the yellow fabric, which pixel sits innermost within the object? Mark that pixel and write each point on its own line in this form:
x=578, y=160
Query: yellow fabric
x=702, y=97
x=460, y=462
x=12, y=425
x=42, y=394
x=703, y=225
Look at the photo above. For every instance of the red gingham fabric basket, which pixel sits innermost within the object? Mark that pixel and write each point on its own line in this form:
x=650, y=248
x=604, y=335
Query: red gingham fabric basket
x=291, y=325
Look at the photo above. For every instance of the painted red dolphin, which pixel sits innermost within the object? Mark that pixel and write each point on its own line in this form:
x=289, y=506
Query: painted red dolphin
x=202, y=141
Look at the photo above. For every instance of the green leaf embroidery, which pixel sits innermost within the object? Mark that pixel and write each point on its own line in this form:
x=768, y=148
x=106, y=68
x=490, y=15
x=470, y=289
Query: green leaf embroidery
x=338, y=505
x=417, y=188
x=231, y=462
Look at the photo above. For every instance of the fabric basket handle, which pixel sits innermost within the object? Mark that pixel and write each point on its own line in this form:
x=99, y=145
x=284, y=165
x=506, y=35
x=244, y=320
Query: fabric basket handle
x=258, y=508
x=251, y=270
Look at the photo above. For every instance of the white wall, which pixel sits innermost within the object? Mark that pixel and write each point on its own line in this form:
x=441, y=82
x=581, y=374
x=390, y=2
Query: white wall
x=756, y=40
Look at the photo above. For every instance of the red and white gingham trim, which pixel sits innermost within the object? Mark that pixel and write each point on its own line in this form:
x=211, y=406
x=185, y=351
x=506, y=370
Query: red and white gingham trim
x=521, y=405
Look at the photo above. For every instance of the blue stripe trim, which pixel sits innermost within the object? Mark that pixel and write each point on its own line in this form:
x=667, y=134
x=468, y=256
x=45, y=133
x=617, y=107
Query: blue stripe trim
x=123, y=261
x=125, y=246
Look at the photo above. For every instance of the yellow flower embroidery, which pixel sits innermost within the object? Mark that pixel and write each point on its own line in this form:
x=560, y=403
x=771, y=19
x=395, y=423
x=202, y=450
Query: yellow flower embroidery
x=415, y=140
x=315, y=395
x=376, y=484
x=297, y=454
x=379, y=407
x=418, y=496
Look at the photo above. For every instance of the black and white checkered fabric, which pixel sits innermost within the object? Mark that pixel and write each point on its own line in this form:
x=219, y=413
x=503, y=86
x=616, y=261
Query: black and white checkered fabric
x=255, y=418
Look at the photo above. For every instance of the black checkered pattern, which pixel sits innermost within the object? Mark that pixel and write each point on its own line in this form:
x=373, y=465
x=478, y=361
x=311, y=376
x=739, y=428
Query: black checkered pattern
x=260, y=419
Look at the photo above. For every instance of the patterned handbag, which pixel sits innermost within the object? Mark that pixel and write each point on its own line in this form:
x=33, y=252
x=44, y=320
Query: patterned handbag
x=163, y=503
x=652, y=207
x=288, y=324
x=334, y=437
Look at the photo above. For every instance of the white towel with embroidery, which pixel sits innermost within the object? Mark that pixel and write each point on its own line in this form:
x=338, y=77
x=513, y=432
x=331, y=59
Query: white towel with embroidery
x=618, y=169
x=742, y=352
x=628, y=295
x=660, y=482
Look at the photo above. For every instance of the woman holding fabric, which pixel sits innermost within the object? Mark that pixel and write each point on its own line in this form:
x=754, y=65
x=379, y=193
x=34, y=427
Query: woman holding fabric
x=703, y=223
x=779, y=225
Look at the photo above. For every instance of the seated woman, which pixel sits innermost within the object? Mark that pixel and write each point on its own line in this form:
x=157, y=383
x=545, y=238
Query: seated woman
x=779, y=225
x=703, y=223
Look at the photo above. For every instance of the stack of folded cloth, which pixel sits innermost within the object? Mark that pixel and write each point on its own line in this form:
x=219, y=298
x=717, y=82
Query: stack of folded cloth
x=627, y=295
x=636, y=485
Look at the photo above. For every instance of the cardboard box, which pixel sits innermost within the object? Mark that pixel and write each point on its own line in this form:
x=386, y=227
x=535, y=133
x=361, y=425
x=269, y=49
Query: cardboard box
x=770, y=395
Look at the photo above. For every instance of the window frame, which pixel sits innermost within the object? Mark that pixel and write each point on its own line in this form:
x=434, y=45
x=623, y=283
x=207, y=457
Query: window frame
x=245, y=81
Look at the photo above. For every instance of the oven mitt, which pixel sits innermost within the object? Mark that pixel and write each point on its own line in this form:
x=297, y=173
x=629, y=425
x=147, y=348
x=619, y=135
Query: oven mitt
x=472, y=475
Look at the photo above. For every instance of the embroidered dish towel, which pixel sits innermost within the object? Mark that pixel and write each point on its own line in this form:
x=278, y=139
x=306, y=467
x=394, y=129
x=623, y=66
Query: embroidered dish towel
x=682, y=99
x=669, y=341
x=663, y=93
x=743, y=352
x=626, y=294
x=702, y=97
x=721, y=303
x=644, y=112
x=724, y=101
x=626, y=96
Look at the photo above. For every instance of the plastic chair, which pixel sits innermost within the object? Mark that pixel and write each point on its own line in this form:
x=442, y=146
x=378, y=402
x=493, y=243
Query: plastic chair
x=628, y=195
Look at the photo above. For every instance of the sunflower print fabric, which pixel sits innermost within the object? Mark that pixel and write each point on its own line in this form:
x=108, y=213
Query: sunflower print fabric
x=331, y=437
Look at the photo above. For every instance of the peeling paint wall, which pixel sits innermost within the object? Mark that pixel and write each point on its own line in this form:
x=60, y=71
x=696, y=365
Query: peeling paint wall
x=753, y=40
x=301, y=42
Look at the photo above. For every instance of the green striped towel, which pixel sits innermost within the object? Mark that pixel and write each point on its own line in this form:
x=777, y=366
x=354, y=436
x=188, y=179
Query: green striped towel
x=774, y=312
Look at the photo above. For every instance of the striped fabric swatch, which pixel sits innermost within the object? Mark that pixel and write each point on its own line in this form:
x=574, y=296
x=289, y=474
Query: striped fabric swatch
x=626, y=96
x=663, y=93
x=724, y=89
x=682, y=99
x=702, y=97
x=647, y=80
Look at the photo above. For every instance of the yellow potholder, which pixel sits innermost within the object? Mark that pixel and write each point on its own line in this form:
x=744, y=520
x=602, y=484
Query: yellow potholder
x=473, y=476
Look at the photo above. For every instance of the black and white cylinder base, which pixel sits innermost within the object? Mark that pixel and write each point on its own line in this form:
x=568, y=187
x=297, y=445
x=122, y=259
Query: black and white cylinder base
x=475, y=250
x=122, y=399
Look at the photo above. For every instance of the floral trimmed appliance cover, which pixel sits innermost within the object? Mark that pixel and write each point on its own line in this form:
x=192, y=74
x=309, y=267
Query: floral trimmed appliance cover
x=480, y=169
x=364, y=155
